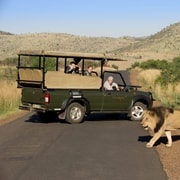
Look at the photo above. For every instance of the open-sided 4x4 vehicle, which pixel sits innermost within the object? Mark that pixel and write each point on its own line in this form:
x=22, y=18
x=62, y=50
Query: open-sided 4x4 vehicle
x=73, y=96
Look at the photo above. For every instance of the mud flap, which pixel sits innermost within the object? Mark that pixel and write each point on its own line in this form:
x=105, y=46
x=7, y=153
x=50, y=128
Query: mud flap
x=62, y=115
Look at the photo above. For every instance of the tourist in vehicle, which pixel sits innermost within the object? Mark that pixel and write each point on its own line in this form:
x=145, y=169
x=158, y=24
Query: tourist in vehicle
x=89, y=71
x=72, y=68
x=110, y=85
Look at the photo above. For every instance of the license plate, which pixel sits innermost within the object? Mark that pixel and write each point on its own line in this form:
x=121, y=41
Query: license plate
x=36, y=106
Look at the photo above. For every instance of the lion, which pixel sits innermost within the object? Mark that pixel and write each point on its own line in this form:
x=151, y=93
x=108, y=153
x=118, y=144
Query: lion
x=160, y=120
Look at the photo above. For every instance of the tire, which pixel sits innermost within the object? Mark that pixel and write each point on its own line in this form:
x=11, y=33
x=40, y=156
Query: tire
x=137, y=111
x=75, y=113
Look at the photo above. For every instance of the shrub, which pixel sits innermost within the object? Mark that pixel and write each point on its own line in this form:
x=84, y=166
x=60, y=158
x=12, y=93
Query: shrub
x=166, y=84
x=154, y=64
x=170, y=74
x=134, y=65
x=9, y=61
x=170, y=71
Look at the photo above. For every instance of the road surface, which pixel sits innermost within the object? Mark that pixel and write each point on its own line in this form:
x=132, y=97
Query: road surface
x=101, y=148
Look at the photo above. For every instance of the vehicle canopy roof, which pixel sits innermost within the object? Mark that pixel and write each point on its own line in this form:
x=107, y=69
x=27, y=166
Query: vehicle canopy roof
x=76, y=56
x=79, y=55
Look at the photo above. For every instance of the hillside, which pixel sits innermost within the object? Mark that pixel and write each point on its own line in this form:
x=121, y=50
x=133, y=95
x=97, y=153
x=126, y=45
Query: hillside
x=5, y=33
x=59, y=42
x=162, y=45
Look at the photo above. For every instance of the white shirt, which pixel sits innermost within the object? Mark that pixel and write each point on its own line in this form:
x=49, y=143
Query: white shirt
x=108, y=86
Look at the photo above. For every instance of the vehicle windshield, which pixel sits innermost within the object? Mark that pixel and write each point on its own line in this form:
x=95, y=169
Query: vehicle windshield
x=116, y=77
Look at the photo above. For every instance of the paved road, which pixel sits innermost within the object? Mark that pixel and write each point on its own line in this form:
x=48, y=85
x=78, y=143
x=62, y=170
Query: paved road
x=98, y=149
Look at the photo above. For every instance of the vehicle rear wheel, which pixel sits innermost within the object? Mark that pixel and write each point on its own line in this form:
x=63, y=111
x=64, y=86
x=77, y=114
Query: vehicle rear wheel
x=137, y=111
x=75, y=113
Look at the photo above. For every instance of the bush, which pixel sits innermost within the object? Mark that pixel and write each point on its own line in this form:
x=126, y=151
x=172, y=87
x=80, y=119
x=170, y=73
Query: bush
x=170, y=74
x=134, y=65
x=154, y=64
x=9, y=61
x=165, y=85
x=170, y=71
x=50, y=63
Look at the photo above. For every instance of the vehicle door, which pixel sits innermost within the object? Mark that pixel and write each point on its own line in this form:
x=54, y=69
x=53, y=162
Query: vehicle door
x=95, y=98
x=114, y=100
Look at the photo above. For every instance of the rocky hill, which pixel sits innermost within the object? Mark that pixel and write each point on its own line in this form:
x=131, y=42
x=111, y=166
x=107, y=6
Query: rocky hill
x=5, y=33
x=163, y=45
x=59, y=42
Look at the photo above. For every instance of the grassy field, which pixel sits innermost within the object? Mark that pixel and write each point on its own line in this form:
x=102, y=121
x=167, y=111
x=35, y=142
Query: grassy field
x=9, y=94
x=9, y=97
x=169, y=96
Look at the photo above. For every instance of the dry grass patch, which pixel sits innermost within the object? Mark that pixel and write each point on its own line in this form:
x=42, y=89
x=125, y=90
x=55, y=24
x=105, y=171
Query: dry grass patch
x=169, y=95
x=9, y=97
x=149, y=76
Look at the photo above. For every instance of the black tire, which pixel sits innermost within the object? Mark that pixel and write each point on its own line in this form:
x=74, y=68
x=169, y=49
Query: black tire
x=75, y=113
x=137, y=111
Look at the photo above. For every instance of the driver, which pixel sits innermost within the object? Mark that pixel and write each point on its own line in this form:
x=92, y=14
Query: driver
x=110, y=85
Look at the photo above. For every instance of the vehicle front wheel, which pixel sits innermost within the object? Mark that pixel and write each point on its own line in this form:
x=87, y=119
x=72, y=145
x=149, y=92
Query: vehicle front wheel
x=75, y=113
x=137, y=111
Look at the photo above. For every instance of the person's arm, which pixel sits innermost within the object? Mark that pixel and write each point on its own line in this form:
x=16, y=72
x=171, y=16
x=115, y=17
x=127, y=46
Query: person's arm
x=115, y=85
x=68, y=69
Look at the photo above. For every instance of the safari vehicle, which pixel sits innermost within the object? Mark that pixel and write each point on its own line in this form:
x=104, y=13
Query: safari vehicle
x=73, y=96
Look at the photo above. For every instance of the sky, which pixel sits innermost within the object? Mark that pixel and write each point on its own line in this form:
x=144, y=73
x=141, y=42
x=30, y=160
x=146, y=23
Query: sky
x=109, y=18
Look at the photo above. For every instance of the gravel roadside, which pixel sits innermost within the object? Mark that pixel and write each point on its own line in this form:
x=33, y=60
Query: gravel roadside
x=169, y=157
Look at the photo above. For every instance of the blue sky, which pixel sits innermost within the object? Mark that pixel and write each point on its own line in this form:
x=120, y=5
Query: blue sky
x=110, y=18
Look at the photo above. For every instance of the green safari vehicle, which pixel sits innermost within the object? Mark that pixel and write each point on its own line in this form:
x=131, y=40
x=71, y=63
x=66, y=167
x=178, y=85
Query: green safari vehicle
x=49, y=90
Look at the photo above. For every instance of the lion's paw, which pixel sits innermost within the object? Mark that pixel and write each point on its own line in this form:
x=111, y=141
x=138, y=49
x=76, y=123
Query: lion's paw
x=168, y=145
x=148, y=145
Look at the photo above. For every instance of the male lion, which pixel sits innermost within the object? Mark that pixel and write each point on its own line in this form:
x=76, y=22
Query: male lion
x=160, y=120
